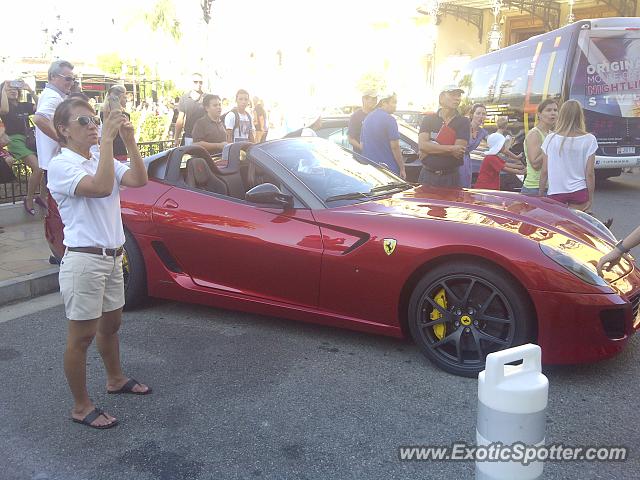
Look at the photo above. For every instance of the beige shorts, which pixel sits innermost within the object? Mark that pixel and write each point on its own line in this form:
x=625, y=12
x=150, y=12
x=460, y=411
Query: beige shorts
x=90, y=284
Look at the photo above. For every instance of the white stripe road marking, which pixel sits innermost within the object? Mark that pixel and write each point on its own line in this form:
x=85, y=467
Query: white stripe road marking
x=29, y=306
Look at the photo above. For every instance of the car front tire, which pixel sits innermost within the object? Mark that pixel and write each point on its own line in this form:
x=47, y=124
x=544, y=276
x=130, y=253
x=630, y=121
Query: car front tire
x=135, y=276
x=461, y=311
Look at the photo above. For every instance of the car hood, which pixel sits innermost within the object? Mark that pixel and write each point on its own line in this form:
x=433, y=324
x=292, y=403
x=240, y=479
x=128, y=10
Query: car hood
x=538, y=219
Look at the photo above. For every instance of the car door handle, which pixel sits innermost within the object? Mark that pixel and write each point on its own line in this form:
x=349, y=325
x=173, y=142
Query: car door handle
x=170, y=204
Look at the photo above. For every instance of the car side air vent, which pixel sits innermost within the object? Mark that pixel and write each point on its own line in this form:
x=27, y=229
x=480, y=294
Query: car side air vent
x=613, y=323
x=166, y=257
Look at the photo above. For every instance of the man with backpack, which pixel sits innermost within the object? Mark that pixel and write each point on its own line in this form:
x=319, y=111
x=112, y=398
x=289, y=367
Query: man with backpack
x=237, y=121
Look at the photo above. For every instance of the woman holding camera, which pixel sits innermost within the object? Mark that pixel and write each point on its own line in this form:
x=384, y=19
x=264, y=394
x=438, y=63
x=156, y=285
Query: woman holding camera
x=15, y=115
x=116, y=98
x=86, y=189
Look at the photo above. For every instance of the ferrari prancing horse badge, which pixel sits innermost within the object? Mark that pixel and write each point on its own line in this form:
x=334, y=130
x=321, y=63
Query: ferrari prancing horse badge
x=389, y=245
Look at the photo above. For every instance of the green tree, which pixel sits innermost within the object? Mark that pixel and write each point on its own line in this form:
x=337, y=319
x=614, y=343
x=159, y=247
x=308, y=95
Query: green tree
x=465, y=83
x=162, y=17
x=371, y=81
x=110, y=63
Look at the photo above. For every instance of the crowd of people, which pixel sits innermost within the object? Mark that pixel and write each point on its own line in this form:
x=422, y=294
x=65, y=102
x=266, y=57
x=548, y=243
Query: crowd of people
x=557, y=161
x=77, y=156
x=557, y=158
x=200, y=119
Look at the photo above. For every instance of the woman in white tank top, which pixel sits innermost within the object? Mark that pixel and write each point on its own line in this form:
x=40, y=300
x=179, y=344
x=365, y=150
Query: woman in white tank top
x=567, y=172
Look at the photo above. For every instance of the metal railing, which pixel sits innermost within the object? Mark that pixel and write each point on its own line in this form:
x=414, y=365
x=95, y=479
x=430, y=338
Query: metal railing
x=15, y=191
x=151, y=148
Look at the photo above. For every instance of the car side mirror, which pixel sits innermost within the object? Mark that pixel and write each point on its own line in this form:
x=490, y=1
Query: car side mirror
x=269, y=194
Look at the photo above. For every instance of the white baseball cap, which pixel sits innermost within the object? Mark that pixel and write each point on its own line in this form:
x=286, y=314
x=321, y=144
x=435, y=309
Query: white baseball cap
x=496, y=142
x=451, y=89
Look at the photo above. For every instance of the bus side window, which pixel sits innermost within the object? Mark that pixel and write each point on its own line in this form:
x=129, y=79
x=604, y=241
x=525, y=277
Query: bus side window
x=483, y=83
x=512, y=80
x=549, y=73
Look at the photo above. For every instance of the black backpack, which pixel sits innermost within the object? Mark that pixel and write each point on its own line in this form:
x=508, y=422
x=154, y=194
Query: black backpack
x=234, y=110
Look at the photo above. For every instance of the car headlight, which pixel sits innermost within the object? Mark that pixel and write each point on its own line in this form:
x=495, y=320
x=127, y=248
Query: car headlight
x=582, y=270
x=597, y=224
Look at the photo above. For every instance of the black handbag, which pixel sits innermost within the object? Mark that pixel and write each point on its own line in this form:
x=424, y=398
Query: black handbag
x=6, y=172
x=30, y=136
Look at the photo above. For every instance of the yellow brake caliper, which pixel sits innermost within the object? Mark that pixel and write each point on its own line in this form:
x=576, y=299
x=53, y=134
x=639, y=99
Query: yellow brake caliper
x=125, y=263
x=440, y=328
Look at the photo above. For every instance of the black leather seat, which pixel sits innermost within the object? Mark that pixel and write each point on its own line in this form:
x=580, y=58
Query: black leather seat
x=231, y=174
x=200, y=176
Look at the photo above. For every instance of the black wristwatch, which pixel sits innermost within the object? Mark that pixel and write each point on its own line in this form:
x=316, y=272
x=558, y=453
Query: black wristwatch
x=621, y=248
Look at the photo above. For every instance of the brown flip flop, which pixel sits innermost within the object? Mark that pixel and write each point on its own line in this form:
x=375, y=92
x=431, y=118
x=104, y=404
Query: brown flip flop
x=128, y=388
x=91, y=417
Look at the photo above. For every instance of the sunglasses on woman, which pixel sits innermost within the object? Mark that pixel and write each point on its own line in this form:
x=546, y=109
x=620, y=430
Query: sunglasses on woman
x=85, y=120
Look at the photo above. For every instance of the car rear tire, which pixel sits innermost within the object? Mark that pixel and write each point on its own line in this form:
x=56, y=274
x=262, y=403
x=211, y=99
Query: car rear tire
x=135, y=275
x=461, y=311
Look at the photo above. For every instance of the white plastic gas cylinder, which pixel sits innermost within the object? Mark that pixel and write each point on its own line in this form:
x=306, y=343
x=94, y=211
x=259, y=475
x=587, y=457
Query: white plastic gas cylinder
x=512, y=403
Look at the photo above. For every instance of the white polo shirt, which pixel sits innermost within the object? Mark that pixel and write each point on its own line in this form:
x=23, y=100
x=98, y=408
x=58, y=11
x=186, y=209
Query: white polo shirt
x=88, y=221
x=48, y=148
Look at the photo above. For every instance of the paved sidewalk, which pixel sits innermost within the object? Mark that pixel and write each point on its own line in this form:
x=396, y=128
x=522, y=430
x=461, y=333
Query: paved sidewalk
x=25, y=270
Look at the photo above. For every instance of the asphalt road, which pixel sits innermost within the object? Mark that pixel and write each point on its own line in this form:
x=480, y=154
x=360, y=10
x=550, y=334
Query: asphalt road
x=241, y=396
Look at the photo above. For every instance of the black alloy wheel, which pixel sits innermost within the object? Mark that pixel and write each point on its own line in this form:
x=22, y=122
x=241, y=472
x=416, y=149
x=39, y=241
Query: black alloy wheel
x=460, y=312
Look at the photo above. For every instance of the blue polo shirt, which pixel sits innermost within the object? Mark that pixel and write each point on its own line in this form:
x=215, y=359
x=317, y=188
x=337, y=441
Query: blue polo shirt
x=378, y=129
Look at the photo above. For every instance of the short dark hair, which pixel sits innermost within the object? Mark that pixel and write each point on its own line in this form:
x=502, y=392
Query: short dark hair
x=240, y=92
x=206, y=100
x=63, y=112
x=545, y=103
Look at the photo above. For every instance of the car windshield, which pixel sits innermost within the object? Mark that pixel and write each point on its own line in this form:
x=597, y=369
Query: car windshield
x=334, y=173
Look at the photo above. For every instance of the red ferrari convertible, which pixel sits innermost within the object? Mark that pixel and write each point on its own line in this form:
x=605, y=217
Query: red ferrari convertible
x=304, y=229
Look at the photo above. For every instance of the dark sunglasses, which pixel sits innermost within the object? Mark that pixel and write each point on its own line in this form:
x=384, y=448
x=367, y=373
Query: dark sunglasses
x=85, y=120
x=66, y=79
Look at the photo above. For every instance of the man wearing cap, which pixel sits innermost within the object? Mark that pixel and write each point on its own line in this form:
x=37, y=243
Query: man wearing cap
x=442, y=141
x=380, y=138
x=369, y=101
